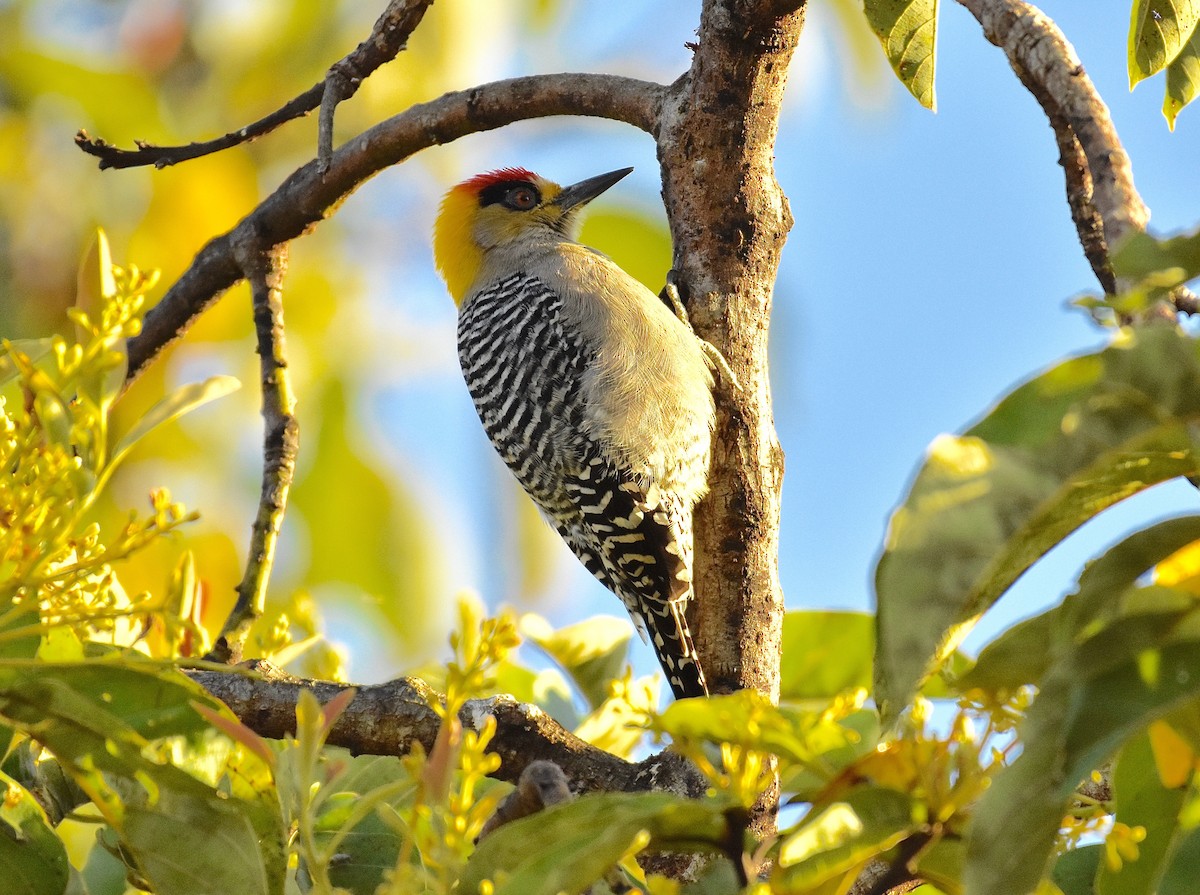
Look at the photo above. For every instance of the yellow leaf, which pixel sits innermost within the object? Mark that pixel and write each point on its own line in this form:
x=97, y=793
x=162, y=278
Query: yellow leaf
x=1173, y=756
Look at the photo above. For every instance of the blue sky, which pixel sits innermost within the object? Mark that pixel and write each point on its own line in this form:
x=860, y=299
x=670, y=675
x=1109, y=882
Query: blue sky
x=928, y=272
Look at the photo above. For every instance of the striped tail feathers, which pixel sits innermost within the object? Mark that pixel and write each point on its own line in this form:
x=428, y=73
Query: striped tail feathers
x=672, y=641
x=637, y=542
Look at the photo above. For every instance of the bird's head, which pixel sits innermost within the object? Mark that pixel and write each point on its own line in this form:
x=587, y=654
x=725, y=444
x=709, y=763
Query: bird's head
x=504, y=207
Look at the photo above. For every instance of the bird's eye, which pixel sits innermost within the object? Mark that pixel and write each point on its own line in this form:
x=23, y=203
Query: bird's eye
x=522, y=198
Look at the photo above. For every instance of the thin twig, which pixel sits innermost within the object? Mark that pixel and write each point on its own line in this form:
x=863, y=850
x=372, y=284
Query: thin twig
x=388, y=38
x=1048, y=66
x=307, y=196
x=162, y=156
x=265, y=268
x=1185, y=301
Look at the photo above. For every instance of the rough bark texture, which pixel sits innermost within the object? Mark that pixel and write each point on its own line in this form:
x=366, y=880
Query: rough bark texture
x=386, y=719
x=729, y=219
x=1046, y=63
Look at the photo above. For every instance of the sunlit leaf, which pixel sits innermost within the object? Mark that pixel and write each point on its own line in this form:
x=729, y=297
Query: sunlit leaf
x=908, y=31
x=840, y=836
x=941, y=863
x=179, y=402
x=986, y=505
x=1165, y=262
x=1183, y=79
x=183, y=834
x=747, y=719
x=569, y=846
x=1158, y=30
x=825, y=653
x=592, y=652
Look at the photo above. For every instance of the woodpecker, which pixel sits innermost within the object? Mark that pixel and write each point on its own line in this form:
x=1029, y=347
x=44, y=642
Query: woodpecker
x=597, y=396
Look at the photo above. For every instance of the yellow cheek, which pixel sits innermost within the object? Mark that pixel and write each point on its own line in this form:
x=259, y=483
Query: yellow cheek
x=455, y=253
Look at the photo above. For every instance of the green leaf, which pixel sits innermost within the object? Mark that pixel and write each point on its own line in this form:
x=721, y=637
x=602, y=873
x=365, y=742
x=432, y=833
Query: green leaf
x=1142, y=800
x=1023, y=653
x=33, y=860
x=1075, y=871
x=1183, y=79
x=1149, y=268
x=1180, y=875
x=1154, y=262
x=570, y=846
x=747, y=719
x=908, y=31
x=835, y=838
x=988, y=504
x=1017, y=657
x=825, y=653
x=368, y=849
x=1095, y=696
x=183, y=835
x=941, y=863
x=150, y=702
x=1158, y=30
x=593, y=652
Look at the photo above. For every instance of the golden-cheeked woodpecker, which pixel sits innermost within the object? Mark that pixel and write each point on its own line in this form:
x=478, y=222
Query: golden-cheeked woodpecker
x=594, y=392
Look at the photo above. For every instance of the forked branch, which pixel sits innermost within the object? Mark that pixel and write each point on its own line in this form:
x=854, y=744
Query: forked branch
x=388, y=38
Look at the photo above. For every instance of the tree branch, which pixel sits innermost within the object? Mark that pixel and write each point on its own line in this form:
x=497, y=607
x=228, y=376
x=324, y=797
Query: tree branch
x=308, y=196
x=386, y=719
x=265, y=268
x=1047, y=65
x=388, y=38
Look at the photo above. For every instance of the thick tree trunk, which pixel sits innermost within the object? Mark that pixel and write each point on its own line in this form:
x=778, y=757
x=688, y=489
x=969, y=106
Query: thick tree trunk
x=729, y=220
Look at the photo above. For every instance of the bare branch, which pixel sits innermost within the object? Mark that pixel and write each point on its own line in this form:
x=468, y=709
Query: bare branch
x=386, y=719
x=388, y=38
x=308, y=196
x=1047, y=65
x=1088, y=224
x=163, y=156
x=265, y=269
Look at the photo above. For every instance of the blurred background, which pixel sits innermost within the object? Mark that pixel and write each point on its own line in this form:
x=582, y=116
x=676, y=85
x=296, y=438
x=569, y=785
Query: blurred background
x=929, y=270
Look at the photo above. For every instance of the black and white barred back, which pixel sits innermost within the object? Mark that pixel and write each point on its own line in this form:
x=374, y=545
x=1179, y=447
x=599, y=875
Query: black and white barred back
x=524, y=366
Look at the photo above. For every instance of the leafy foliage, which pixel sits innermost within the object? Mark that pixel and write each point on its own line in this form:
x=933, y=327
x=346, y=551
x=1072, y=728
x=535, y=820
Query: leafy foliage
x=1162, y=36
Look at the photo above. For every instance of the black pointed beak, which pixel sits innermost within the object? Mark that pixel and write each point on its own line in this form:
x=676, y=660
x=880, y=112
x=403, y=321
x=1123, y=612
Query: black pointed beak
x=585, y=191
